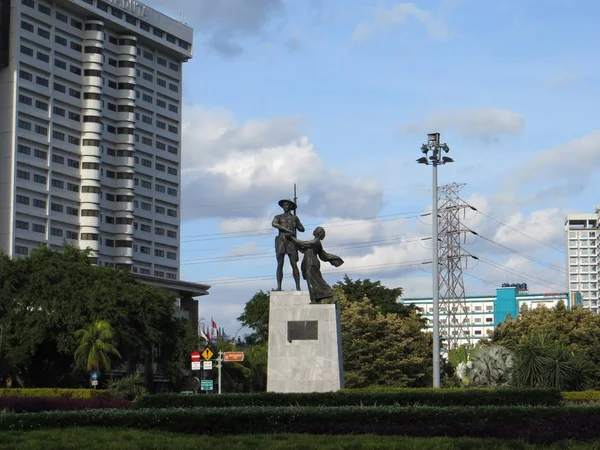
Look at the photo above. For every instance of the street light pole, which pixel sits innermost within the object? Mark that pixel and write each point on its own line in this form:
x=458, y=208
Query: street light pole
x=433, y=145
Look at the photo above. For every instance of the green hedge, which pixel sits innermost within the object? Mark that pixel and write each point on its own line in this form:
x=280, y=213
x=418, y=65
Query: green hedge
x=52, y=393
x=405, y=397
x=582, y=396
x=535, y=424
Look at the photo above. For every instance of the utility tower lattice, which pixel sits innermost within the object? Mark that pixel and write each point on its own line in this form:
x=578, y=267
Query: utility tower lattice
x=453, y=306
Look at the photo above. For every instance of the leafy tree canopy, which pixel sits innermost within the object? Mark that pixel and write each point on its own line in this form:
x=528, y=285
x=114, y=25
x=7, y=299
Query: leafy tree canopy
x=256, y=317
x=48, y=295
x=383, y=349
x=381, y=296
x=565, y=331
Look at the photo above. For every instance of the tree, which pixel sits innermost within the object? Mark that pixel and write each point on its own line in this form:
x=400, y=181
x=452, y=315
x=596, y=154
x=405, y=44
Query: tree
x=256, y=317
x=383, y=349
x=54, y=294
x=381, y=296
x=545, y=362
x=556, y=333
x=96, y=346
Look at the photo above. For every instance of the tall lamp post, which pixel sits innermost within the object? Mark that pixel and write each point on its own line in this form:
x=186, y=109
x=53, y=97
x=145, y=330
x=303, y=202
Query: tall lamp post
x=433, y=156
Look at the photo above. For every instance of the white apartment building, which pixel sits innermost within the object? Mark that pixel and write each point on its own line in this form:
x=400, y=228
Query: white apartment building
x=90, y=130
x=484, y=313
x=581, y=232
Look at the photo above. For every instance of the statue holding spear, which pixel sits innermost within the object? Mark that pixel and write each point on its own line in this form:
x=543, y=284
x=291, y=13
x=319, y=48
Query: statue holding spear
x=288, y=223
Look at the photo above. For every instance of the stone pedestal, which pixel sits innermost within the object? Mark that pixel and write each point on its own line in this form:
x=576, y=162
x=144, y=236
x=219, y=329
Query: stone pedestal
x=305, y=345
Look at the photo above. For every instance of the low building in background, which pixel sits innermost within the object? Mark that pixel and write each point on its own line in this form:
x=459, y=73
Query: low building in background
x=485, y=312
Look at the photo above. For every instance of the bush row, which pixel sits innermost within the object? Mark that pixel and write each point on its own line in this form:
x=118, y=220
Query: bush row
x=582, y=396
x=52, y=392
x=37, y=404
x=430, y=397
x=534, y=424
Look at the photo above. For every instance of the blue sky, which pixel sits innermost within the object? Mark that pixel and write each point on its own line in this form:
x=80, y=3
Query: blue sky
x=338, y=96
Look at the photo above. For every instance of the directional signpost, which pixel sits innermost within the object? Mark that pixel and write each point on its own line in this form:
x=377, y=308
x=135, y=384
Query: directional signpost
x=233, y=356
x=203, y=361
x=227, y=357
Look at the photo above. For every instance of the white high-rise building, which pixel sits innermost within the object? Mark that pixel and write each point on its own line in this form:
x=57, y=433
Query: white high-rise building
x=582, y=256
x=90, y=130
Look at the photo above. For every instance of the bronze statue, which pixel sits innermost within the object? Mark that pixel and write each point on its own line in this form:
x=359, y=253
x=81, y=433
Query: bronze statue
x=287, y=224
x=311, y=267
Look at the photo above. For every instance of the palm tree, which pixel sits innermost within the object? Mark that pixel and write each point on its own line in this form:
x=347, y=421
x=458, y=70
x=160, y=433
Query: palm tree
x=543, y=362
x=95, y=347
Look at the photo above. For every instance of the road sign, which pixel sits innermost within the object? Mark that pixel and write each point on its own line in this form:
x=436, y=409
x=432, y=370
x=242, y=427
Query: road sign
x=195, y=356
x=94, y=382
x=207, y=353
x=94, y=376
x=195, y=365
x=207, y=385
x=207, y=365
x=233, y=356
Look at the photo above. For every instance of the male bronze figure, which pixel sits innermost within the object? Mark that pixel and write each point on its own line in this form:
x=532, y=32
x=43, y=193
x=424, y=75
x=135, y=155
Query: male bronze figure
x=287, y=224
x=313, y=251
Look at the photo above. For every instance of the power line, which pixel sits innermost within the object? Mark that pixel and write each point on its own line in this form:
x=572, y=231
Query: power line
x=355, y=269
x=524, y=255
x=480, y=279
x=528, y=277
x=243, y=257
x=519, y=231
x=268, y=231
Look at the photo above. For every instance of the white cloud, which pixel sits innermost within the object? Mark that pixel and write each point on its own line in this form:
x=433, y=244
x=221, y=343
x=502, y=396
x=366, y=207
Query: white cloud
x=573, y=161
x=387, y=17
x=486, y=124
x=225, y=23
x=546, y=225
x=233, y=170
x=560, y=81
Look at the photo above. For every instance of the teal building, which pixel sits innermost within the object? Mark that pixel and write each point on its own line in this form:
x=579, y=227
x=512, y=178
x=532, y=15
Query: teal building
x=481, y=314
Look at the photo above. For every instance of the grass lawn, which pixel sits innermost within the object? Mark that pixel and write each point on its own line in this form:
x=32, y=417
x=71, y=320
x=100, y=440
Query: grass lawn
x=124, y=439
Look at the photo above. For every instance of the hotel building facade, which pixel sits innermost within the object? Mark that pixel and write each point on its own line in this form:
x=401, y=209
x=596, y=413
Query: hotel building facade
x=90, y=135
x=581, y=233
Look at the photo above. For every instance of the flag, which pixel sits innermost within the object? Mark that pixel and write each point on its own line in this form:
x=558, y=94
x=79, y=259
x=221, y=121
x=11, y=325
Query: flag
x=203, y=335
x=215, y=328
x=208, y=335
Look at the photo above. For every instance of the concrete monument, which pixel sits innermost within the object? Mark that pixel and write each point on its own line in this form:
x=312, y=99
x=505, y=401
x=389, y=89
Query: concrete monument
x=305, y=339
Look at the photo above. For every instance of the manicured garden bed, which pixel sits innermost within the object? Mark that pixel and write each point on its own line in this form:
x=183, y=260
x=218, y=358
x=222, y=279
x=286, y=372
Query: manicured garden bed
x=406, y=397
x=534, y=424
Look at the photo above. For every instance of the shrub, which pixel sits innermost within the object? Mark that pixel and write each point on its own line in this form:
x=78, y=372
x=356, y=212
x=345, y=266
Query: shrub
x=582, y=396
x=374, y=397
x=130, y=387
x=52, y=392
x=534, y=424
x=37, y=404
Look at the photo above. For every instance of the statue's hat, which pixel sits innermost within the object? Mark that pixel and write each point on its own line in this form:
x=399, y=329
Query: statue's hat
x=291, y=202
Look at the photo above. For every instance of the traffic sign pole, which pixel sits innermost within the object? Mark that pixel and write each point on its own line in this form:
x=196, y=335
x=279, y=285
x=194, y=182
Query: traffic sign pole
x=219, y=364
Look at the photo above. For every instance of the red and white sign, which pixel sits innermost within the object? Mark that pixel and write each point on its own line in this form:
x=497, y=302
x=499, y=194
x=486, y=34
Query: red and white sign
x=195, y=356
x=233, y=356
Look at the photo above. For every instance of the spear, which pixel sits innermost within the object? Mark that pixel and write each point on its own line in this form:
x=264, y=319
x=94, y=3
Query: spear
x=294, y=211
